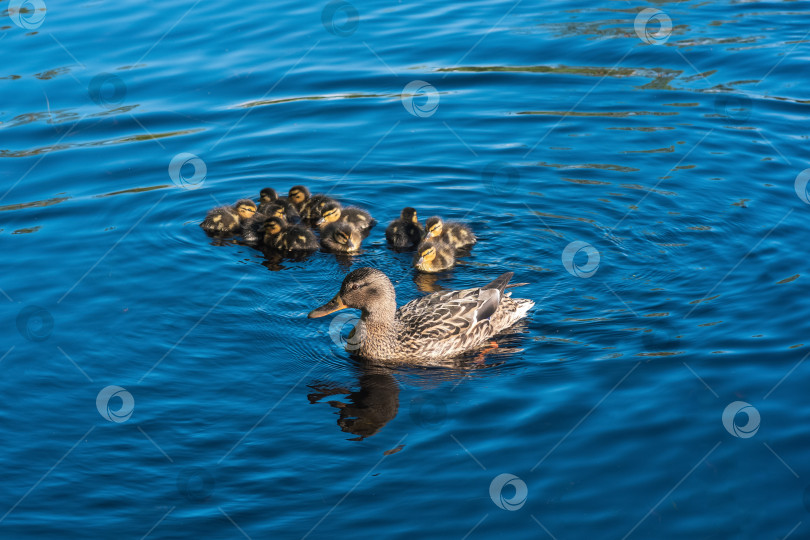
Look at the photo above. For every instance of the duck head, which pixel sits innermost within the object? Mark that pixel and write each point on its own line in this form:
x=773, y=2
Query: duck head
x=268, y=195
x=363, y=289
x=408, y=214
x=329, y=213
x=298, y=195
x=245, y=208
x=433, y=227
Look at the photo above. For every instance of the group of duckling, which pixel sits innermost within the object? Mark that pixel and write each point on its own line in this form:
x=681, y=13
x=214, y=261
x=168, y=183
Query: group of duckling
x=284, y=225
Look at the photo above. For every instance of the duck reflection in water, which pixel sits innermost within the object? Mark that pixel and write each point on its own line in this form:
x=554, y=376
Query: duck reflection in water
x=367, y=410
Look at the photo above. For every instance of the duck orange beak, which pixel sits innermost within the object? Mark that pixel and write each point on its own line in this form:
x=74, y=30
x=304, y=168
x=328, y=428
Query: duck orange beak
x=335, y=304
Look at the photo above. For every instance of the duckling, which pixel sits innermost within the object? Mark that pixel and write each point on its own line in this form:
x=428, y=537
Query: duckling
x=457, y=235
x=228, y=219
x=357, y=218
x=405, y=232
x=341, y=237
x=298, y=197
x=434, y=256
x=267, y=196
x=288, y=239
x=283, y=210
x=309, y=207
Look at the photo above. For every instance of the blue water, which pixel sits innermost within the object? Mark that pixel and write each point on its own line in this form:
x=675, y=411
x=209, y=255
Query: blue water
x=674, y=164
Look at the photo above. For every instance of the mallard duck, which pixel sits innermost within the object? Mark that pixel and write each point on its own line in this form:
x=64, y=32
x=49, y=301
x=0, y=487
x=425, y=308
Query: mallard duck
x=228, y=219
x=405, y=232
x=288, y=239
x=457, y=235
x=432, y=327
x=357, y=218
x=341, y=237
x=298, y=197
x=434, y=256
x=253, y=229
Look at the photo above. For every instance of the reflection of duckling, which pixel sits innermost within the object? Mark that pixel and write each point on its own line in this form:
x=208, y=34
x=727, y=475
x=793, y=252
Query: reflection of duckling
x=457, y=235
x=434, y=256
x=357, y=218
x=288, y=239
x=228, y=219
x=341, y=237
x=405, y=232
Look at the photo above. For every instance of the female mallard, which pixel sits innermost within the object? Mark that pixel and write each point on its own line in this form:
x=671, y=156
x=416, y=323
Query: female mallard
x=434, y=256
x=357, y=218
x=341, y=237
x=457, y=235
x=432, y=327
x=228, y=219
x=405, y=232
x=288, y=239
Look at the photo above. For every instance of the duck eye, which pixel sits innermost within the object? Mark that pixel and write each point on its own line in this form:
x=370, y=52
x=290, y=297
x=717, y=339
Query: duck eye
x=355, y=286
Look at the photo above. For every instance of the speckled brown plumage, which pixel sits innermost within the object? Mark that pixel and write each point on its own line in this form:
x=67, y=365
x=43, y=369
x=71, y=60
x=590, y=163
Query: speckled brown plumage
x=432, y=327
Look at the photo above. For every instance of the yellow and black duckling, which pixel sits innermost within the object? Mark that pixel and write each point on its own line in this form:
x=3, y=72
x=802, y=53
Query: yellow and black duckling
x=428, y=329
x=309, y=207
x=229, y=219
x=283, y=210
x=456, y=234
x=341, y=237
x=288, y=239
x=267, y=196
x=405, y=232
x=357, y=218
x=434, y=256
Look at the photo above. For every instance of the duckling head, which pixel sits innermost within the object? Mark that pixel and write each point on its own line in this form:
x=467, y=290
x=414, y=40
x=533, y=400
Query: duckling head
x=275, y=210
x=273, y=226
x=298, y=194
x=245, y=208
x=348, y=237
x=329, y=213
x=268, y=195
x=408, y=214
x=426, y=253
x=433, y=227
x=366, y=289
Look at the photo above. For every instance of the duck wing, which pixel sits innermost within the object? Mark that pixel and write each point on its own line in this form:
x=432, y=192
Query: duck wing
x=462, y=315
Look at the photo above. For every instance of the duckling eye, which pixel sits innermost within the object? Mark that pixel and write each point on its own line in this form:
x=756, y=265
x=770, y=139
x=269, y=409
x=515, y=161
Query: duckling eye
x=355, y=286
